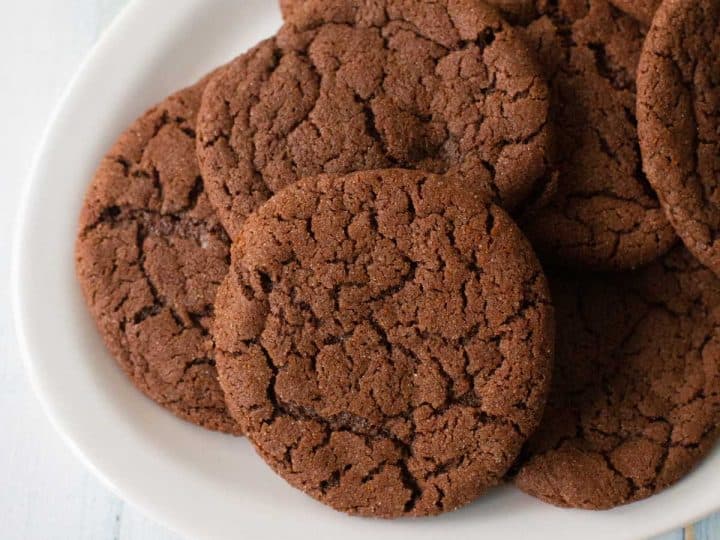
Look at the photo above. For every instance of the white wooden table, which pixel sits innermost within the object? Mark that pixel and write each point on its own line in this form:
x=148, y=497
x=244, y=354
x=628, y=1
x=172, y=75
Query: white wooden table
x=45, y=493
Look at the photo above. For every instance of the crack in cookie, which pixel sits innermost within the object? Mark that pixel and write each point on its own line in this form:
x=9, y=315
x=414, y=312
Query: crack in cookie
x=642, y=10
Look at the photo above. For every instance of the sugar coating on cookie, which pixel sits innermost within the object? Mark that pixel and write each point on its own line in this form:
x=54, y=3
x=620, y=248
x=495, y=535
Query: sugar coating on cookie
x=642, y=10
x=386, y=341
x=604, y=216
x=150, y=256
x=635, y=403
x=351, y=85
x=678, y=121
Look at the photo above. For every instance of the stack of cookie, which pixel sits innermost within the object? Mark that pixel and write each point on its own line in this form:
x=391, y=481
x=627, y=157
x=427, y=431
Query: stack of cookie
x=329, y=245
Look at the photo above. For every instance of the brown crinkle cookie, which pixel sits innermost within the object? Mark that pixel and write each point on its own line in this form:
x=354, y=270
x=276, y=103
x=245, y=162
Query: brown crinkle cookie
x=386, y=341
x=350, y=85
x=604, y=215
x=150, y=255
x=642, y=10
x=288, y=7
x=635, y=403
x=679, y=120
x=517, y=9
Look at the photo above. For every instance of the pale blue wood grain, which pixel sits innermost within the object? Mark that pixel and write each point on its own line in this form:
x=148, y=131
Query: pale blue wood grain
x=708, y=529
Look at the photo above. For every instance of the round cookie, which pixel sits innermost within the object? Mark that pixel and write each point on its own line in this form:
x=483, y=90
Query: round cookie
x=604, y=215
x=386, y=341
x=635, y=403
x=150, y=256
x=678, y=121
x=642, y=10
x=352, y=85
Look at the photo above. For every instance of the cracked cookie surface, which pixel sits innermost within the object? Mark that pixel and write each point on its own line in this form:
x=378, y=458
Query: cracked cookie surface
x=642, y=10
x=150, y=255
x=385, y=341
x=679, y=121
x=604, y=216
x=520, y=9
x=635, y=403
x=288, y=7
x=349, y=85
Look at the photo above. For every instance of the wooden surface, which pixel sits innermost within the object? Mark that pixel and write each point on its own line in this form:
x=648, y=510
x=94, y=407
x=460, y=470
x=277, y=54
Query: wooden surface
x=45, y=493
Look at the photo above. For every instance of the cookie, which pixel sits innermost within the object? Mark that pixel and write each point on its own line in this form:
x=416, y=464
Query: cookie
x=517, y=9
x=642, y=10
x=150, y=256
x=678, y=100
x=385, y=341
x=288, y=7
x=352, y=85
x=635, y=403
x=604, y=216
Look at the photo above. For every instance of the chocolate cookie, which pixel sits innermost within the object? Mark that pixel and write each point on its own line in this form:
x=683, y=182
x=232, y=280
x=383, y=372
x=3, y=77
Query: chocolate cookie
x=604, y=215
x=150, y=256
x=385, y=341
x=679, y=124
x=288, y=7
x=352, y=85
x=635, y=403
x=642, y=10
x=519, y=9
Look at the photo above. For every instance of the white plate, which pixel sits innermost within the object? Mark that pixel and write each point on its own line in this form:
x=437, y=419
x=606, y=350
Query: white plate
x=202, y=484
